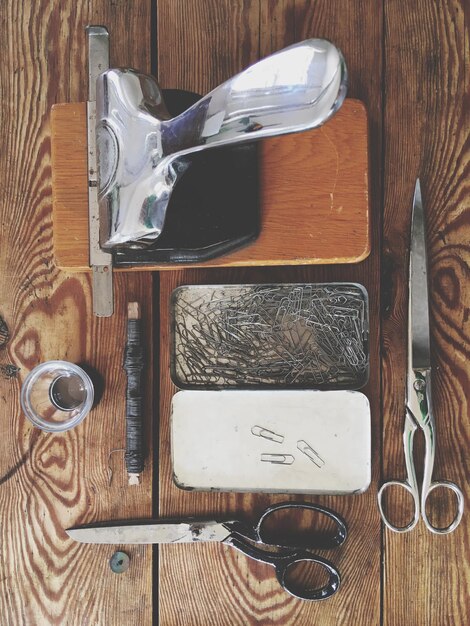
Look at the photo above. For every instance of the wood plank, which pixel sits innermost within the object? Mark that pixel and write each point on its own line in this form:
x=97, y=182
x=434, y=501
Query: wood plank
x=427, y=577
x=43, y=579
x=212, y=584
x=49, y=482
x=331, y=210
x=70, y=185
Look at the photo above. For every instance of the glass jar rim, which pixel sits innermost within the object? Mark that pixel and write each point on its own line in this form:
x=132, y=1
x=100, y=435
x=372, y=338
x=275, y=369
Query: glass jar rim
x=31, y=379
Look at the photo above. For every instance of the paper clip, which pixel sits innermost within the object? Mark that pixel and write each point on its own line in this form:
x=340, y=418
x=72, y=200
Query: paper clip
x=259, y=431
x=310, y=453
x=279, y=459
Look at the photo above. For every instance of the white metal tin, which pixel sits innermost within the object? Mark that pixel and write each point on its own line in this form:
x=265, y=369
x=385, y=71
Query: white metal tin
x=298, y=441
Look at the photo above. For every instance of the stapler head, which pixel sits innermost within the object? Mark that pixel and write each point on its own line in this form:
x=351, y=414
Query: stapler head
x=142, y=151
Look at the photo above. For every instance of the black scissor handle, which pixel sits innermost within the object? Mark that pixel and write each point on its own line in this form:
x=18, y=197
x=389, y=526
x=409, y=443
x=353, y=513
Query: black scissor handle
x=283, y=562
x=320, y=593
x=326, y=542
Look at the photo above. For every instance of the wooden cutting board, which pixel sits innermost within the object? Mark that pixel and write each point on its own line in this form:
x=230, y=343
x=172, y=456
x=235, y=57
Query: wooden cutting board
x=314, y=194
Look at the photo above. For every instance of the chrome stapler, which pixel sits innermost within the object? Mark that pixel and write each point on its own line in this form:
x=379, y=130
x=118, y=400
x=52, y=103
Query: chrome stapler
x=138, y=150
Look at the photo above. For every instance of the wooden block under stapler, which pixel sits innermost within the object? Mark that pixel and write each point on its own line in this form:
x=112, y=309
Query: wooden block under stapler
x=311, y=188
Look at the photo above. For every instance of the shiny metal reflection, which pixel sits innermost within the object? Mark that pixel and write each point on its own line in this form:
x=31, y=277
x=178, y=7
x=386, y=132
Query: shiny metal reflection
x=142, y=152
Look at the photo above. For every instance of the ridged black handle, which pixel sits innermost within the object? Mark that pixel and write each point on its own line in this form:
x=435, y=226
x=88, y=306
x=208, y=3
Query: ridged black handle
x=134, y=364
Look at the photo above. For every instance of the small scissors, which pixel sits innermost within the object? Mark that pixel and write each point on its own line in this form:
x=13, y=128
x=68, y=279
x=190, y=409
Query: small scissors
x=419, y=412
x=236, y=534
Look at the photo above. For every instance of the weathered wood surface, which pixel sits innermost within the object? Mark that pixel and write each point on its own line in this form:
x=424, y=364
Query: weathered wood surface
x=49, y=482
x=407, y=63
x=200, y=44
x=319, y=176
x=426, y=130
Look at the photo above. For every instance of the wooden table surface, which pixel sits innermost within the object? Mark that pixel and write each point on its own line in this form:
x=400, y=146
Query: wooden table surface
x=408, y=62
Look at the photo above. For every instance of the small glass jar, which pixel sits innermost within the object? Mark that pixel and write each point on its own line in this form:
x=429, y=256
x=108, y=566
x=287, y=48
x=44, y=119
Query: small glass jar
x=57, y=395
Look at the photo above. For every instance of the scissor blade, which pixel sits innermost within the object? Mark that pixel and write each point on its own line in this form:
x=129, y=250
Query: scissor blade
x=419, y=296
x=149, y=532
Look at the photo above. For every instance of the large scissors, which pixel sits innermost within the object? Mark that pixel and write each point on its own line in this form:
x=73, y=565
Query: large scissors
x=419, y=410
x=251, y=540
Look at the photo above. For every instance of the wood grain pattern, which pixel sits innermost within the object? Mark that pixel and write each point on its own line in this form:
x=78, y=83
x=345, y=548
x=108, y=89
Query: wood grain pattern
x=211, y=584
x=70, y=186
x=319, y=176
x=426, y=577
x=49, y=482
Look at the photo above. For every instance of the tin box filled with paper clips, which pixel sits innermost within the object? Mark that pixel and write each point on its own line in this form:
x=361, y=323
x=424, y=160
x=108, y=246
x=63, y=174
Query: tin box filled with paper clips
x=302, y=335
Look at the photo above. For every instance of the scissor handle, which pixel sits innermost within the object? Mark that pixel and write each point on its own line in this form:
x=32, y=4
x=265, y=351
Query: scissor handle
x=426, y=422
x=410, y=484
x=283, y=562
x=422, y=409
x=443, y=484
x=320, y=593
x=402, y=484
x=325, y=542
